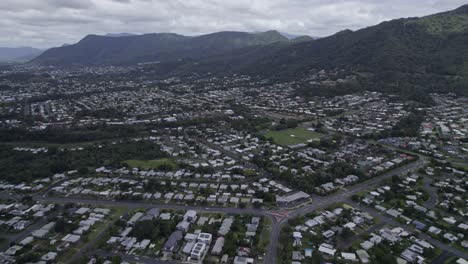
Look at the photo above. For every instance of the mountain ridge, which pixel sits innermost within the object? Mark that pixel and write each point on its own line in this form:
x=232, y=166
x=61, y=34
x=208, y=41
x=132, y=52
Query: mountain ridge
x=423, y=54
x=96, y=49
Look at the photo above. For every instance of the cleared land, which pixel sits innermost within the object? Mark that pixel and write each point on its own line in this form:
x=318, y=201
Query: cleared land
x=292, y=136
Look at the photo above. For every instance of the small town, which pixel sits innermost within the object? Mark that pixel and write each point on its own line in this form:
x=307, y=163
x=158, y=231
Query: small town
x=209, y=170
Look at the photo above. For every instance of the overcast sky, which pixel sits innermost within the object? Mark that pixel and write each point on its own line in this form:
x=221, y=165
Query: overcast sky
x=48, y=23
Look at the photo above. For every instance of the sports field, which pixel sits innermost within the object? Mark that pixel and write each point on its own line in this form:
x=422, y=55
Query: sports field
x=292, y=136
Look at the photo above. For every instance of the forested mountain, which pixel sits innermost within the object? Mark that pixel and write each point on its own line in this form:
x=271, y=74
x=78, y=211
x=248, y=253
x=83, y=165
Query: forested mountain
x=435, y=44
x=164, y=47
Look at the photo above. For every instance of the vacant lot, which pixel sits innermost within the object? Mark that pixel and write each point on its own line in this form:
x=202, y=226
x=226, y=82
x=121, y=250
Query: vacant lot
x=292, y=136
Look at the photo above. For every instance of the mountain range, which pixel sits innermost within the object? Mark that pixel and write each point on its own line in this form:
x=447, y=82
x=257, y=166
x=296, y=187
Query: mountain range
x=164, y=47
x=21, y=54
x=432, y=48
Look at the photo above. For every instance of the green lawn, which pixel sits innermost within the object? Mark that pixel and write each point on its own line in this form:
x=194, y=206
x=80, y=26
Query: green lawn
x=292, y=136
x=151, y=164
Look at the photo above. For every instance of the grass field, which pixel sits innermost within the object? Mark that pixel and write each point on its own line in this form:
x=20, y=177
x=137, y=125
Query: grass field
x=151, y=164
x=265, y=235
x=292, y=136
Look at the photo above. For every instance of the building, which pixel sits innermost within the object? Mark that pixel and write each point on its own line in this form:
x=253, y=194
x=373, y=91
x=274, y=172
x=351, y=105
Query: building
x=198, y=251
x=190, y=216
x=218, y=246
x=204, y=238
x=327, y=249
x=243, y=260
x=134, y=218
x=292, y=198
x=173, y=241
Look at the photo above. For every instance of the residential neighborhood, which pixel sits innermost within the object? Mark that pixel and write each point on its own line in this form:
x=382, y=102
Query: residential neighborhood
x=123, y=169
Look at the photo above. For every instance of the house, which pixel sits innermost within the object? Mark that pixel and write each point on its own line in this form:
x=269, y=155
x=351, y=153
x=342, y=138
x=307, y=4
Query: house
x=82, y=211
x=327, y=249
x=450, y=220
x=419, y=225
x=434, y=230
x=225, y=226
x=349, y=256
x=243, y=260
x=134, y=218
x=328, y=234
x=204, y=238
x=218, y=246
x=71, y=238
x=393, y=213
x=311, y=223
x=189, y=237
x=173, y=241
x=297, y=255
x=165, y=216
x=150, y=215
x=190, y=216
x=183, y=226
x=450, y=237
x=366, y=245
x=49, y=256
x=198, y=251
x=40, y=233
x=350, y=225
x=411, y=256
x=188, y=248
x=363, y=256
x=13, y=250
x=26, y=241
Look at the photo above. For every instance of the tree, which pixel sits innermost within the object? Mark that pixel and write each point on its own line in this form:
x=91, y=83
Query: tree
x=346, y=233
x=316, y=257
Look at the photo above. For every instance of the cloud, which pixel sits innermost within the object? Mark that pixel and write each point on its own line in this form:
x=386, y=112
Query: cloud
x=48, y=23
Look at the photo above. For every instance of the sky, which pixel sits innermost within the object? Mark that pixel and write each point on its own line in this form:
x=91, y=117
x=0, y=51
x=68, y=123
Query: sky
x=50, y=23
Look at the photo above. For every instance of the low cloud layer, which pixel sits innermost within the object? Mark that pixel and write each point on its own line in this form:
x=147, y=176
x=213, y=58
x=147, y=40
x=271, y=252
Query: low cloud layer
x=48, y=23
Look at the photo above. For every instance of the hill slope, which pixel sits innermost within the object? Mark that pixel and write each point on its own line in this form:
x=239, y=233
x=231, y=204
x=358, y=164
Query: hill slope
x=18, y=54
x=435, y=44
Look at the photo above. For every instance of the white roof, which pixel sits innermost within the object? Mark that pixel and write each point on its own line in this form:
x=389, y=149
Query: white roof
x=348, y=256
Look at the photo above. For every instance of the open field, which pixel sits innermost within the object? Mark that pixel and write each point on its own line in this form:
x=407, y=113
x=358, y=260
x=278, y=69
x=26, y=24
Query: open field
x=292, y=136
